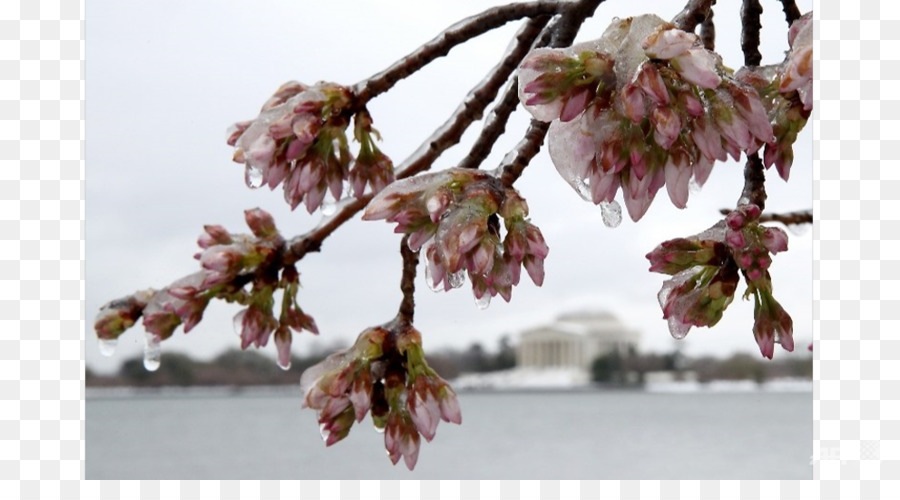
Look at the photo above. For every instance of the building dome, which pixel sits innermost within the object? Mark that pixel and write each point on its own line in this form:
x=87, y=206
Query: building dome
x=575, y=340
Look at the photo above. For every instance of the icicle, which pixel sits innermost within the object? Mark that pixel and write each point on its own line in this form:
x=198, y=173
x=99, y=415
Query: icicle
x=611, y=212
x=108, y=346
x=152, y=352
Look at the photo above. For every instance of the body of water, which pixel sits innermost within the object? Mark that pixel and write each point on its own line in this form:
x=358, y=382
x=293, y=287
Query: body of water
x=542, y=435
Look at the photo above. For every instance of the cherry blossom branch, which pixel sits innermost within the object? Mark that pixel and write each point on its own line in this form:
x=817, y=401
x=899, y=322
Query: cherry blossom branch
x=788, y=219
x=441, y=45
x=693, y=14
x=708, y=30
x=791, y=12
x=408, y=282
x=751, y=10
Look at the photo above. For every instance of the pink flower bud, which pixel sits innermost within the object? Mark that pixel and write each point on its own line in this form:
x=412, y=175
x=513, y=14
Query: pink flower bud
x=260, y=222
x=651, y=82
x=213, y=235
x=668, y=126
x=698, y=66
x=667, y=42
x=775, y=240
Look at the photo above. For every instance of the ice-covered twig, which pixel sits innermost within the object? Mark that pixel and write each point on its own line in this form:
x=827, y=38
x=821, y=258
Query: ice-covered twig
x=788, y=219
x=708, y=30
x=408, y=282
x=751, y=10
x=457, y=34
x=693, y=14
x=791, y=12
x=495, y=124
x=517, y=160
x=524, y=151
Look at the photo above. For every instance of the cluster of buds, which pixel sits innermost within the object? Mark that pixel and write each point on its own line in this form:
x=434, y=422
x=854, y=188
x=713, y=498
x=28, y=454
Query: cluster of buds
x=705, y=273
x=226, y=260
x=455, y=216
x=751, y=245
x=384, y=373
x=786, y=93
x=299, y=140
x=643, y=78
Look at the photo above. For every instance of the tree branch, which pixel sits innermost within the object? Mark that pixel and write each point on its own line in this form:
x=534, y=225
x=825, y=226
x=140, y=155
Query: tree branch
x=708, y=30
x=693, y=14
x=408, y=282
x=751, y=10
x=791, y=12
x=788, y=219
x=440, y=46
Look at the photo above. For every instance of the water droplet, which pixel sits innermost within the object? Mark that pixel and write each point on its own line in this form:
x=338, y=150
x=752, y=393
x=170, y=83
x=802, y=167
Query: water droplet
x=323, y=431
x=286, y=366
x=457, y=279
x=152, y=352
x=238, y=322
x=484, y=301
x=611, y=213
x=253, y=176
x=108, y=346
x=678, y=329
x=582, y=188
x=329, y=208
x=379, y=430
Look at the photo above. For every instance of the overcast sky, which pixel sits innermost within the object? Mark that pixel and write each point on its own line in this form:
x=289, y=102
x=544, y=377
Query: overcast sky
x=166, y=78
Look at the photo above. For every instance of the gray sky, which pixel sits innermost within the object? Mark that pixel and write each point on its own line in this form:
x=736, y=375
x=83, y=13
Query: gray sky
x=166, y=78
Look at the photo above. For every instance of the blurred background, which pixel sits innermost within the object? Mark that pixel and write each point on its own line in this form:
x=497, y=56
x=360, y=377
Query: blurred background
x=165, y=80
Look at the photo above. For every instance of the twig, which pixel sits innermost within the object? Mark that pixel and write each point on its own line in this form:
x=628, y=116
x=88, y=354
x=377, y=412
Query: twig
x=788, y=219
x=791, y=12
x=495, y=124
x=693, y=14
x=531, y=143
x=439, y=46
x=408, y=282
x=751, y=10
x=754, y=173
x=708, y=30
x=525, y=150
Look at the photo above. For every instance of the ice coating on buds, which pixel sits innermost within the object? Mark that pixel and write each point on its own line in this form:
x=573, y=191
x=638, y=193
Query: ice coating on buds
x=384, y=373
x=229, y=263
x=299, y=141
x=642, y=79
x=785, y=90
x=705, y=270
x=455, y=216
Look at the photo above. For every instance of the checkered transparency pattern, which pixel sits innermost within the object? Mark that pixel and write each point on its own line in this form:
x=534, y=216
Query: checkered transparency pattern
x=41, y=280
x=857, y=233
x=41, y=248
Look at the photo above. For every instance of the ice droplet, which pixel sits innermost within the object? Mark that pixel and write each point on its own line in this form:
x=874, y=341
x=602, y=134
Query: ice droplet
x=108, y=346
x=238, y=322
x=286, y=366
x=611, y=213
x=457, y=279
x=581, y=187
x=253, y=176
x=323, y=431
x=379, y=430
x=329, y=208
x=152, y=352
x=484, y=301
x=678, y=329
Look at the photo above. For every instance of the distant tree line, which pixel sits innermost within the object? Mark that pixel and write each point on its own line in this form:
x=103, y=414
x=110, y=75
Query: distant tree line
x=244, y=368
x=630, y=368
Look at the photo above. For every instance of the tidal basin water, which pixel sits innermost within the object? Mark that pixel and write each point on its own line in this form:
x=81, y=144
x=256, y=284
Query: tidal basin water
x=535, y=435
